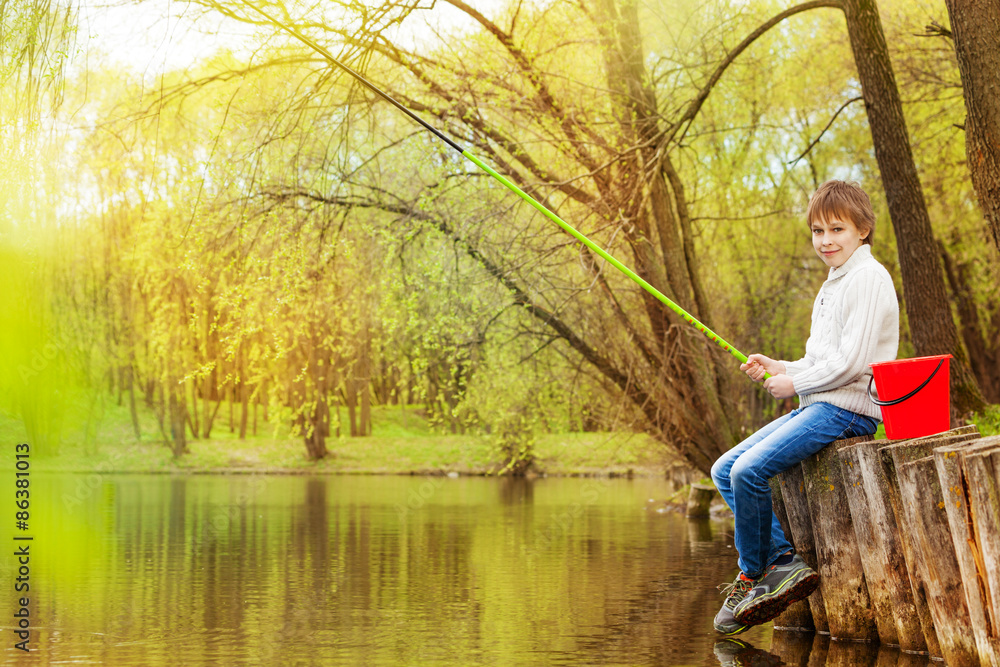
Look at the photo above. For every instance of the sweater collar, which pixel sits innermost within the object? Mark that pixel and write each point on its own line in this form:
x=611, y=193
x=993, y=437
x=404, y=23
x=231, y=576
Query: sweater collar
x=859, y=256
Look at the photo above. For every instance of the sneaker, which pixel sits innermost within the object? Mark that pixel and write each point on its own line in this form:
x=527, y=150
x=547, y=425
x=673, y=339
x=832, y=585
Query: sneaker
x=725, y=621
x=773, y=591
x=727, y=651
x=731, y=652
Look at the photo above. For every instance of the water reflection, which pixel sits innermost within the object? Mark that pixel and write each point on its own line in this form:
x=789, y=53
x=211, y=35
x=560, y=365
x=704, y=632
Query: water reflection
x=806, y=649
x=258, y=570
x=731, y=652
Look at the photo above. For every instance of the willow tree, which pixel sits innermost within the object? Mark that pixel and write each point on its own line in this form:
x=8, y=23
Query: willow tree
x=37, y=38
x=561, y=101
x=561, y=98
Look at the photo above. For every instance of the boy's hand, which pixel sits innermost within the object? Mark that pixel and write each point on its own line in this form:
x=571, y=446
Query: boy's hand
x=757, y=365
x=780, y=386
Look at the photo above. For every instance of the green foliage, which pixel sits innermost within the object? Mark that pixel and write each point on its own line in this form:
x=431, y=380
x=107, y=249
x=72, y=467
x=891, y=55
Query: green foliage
x=402, y=442
x=989, y=421
x=272, y=243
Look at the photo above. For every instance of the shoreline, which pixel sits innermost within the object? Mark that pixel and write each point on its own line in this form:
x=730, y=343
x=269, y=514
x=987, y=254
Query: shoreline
x=600, y=455
x=616, y=472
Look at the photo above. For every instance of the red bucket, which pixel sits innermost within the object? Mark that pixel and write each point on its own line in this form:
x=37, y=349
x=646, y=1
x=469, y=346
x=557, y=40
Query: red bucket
x=913, y=395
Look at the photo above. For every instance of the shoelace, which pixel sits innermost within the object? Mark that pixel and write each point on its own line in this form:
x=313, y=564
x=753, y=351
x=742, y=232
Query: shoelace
x=735, y=591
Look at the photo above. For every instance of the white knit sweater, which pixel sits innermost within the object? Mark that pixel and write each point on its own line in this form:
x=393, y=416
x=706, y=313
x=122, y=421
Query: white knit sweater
x=855, y=322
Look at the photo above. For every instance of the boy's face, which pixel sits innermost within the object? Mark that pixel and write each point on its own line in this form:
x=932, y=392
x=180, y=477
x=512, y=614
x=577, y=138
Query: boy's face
x=836, y=240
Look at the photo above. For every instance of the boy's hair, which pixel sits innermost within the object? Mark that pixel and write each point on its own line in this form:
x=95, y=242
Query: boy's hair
x=843, y=200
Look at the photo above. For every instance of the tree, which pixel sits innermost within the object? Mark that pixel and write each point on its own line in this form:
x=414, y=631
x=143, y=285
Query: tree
x=39, y=347
x=610, y=163
x=932, y=326
x=975, y=27
x=631, y=193
x=253, y=235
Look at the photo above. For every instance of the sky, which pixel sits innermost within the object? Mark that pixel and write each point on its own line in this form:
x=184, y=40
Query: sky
x=154, y=36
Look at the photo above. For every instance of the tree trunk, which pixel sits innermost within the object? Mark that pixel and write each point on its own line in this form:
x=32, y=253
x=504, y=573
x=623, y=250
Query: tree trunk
x=874, y=558
x=206, y=426
x=699, y=499
x=797, y=617
x=363, y=379
x=192, y=414
x=351, y=399
x=878, y=537
x=159, y=406
x=983, y=353
x=891, y=457
x=928, y=310
x=245, y=409
x=949, y=461
x=976, y=30
x=848, y=606
x=923, y=503
x=176, y=413
x=130, y=377
x=792, y=487
x=655, y=212
x=981, y=469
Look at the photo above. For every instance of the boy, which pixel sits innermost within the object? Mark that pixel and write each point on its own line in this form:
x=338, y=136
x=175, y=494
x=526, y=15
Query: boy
x=855, y=322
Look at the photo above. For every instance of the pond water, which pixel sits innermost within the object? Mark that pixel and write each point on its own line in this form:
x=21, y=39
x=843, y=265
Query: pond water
x=366, y=570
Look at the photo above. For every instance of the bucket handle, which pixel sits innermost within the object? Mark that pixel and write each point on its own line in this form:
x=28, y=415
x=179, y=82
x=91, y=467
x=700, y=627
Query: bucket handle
x=913, y=393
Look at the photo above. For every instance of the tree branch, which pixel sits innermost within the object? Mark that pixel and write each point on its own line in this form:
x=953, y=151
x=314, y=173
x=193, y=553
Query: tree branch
x=546, y=99
x=935, y=29
x=695, y=105
x=519, y=294
x=823, y=131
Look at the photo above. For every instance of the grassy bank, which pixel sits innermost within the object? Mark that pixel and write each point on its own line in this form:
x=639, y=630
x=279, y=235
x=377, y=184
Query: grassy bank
x=401, y=442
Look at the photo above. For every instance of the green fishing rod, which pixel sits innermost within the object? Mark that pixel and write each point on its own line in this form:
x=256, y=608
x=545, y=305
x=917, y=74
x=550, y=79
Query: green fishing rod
x=690, y=319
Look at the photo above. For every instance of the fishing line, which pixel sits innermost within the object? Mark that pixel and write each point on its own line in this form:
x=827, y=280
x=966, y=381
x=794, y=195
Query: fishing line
x=687, y=317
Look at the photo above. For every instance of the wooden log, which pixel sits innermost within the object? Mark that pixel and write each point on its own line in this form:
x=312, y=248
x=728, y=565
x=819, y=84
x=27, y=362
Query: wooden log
x=791, y=647
x=923, y=505
x=842, y=579
x=911, y=450
x=892, y=656
x=888, y=656
x=969, y=431
x=792, y=489
x=913, y=660
x=881, y=554
x=820, y=650
x=980, y=469
x=851, y=654
x=699, y=500
x=949, y=462
x=797, y=618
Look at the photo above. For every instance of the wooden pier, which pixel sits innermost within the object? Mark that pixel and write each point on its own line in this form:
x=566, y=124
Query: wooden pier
x=906, y=537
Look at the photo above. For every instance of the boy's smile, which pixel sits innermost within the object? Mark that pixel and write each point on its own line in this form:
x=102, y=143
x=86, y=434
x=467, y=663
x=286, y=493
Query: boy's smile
x=836, y=240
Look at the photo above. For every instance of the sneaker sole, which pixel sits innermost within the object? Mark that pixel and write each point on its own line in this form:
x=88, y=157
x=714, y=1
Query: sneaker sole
x=762, y=610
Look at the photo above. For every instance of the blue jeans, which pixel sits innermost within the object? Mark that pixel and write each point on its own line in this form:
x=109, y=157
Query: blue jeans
x=742, y=474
